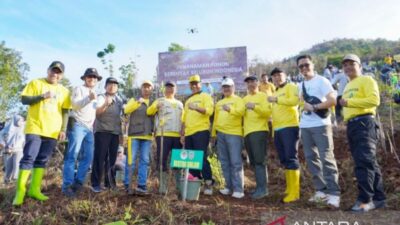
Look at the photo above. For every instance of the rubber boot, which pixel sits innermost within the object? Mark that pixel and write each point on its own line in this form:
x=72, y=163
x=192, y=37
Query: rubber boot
x=294, y=191
x=23, y=177
x=261, y=181
x=287, y=182
x=163, y=183
x=34, y=189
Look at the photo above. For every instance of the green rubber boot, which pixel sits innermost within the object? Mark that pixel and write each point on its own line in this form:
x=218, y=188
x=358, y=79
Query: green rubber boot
x=34, y=189
x=23, y=177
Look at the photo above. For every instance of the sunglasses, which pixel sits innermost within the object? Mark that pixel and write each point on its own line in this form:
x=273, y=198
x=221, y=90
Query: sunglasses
x=56, y=70
x=301, y=66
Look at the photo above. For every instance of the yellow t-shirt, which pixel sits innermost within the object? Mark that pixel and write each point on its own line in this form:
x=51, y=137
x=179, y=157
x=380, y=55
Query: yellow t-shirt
x=152, y=110
x=45, y=117
x=130, y=107
x=388, y=60
x=267, y=88
x=195, y=121
x=362, y=95
x=285, y=112
x=256, y=119
x=229, y=122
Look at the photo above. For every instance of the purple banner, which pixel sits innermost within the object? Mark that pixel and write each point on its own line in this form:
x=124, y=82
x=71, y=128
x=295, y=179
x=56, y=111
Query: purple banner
x=210, y=64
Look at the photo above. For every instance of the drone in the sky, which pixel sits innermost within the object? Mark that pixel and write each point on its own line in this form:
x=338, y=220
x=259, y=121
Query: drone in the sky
x=192, y=30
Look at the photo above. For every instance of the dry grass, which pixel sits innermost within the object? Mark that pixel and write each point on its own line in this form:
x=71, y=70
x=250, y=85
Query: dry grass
x=106, y=207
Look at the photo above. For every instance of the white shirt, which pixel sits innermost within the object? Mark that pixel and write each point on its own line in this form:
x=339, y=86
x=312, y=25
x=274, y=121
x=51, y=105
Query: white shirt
x=343, y=80
x=318, y=87
x=327, y=74
x=83, y=109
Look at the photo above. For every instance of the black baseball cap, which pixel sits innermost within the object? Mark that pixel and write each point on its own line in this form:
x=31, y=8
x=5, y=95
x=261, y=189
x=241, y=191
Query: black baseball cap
x=170, y=83
x=251, y=77
x=276, y=70
x=93, y=72
x=111, y=80
x=57, y=64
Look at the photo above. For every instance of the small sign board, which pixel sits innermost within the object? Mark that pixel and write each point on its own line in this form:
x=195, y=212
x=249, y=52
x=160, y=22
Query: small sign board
x=187, y=159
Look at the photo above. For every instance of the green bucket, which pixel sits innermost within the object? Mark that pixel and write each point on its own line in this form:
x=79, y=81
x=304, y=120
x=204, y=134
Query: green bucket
x=193, y=189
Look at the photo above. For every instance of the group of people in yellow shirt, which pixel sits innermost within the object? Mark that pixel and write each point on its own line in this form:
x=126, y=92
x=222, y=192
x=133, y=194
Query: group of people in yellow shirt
x=237, y=122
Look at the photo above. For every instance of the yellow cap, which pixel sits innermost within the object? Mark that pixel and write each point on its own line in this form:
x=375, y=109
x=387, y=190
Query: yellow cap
x=194, y=78
x=147, y=82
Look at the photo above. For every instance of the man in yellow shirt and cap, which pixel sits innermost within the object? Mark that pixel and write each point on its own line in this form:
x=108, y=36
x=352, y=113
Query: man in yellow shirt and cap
x=140, y=133
x=285, y=121
x=46, y=122
x=360, y=99
x=168, y=112
x=255, y=128
x=228, y=130
x=196, y=127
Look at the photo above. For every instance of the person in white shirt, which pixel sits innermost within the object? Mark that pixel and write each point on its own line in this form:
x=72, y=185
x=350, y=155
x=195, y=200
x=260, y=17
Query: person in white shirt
x=80, y=133
x=316, y=133
x=341, y=79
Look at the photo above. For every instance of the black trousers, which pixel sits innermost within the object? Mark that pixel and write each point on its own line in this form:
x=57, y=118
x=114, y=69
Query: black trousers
x=169, y=143
x=256, y=147
x=286, y=141
x=199, y=141
x=362, y=134
x=105, y=155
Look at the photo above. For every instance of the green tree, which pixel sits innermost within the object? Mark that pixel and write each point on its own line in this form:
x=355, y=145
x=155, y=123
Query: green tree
x=128, y=76
x=175, y=47
x=12, y=79
x=106, y=58
x=66, y=83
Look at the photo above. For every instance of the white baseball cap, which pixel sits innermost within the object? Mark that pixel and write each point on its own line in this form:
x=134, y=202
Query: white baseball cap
x=227, y=82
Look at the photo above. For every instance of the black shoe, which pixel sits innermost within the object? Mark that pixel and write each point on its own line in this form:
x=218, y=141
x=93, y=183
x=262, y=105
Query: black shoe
x=69, y=193
x=379, y=204
x=77, y=187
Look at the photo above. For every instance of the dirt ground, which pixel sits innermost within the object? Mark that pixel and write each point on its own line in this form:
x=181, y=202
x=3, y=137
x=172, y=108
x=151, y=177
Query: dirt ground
x=110, y=206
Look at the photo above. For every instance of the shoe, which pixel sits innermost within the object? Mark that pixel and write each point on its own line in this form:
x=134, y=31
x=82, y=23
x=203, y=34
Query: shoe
x=208, y=190
x=363, y=207
x=141, y=189
x=319, y=196
x=21, y=187
x=238, y=194
x=333, y=200
x=261, y=182
x=225, y=191
x=293, y=184
x=76, y=187
x=97, y=189
x=69, y=192
x=379, y=204
x=36, y=183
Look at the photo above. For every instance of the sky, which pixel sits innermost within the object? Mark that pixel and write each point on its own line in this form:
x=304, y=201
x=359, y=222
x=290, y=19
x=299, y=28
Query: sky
x=74, y=31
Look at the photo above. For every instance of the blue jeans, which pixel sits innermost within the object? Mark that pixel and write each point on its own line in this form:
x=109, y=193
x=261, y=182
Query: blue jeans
x=142, y=147
x=80, y=142
x=229, y=149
